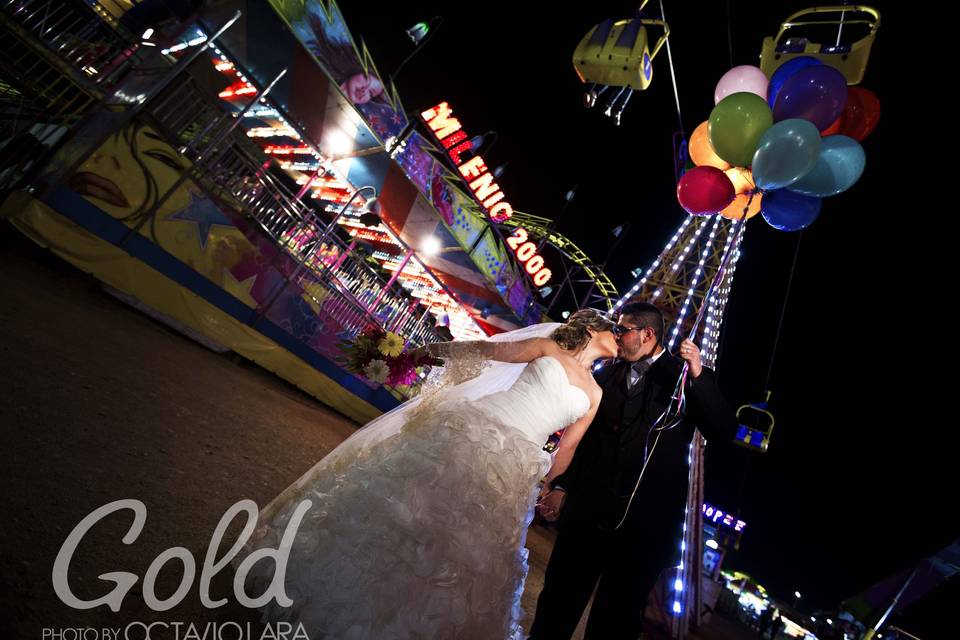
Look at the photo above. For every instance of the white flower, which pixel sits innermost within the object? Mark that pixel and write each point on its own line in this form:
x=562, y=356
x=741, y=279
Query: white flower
x=376, y=371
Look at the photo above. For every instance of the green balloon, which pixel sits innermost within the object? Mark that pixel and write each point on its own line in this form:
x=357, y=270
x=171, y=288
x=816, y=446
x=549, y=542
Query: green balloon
x=736, y=124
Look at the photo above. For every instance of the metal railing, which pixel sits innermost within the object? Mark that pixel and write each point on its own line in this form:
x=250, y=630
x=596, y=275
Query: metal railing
x=238, y=168
x=61, y=67
x=85, y=36
x=59, y=62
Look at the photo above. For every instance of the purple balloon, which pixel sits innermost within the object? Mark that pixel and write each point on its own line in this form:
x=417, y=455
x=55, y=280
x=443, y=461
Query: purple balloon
x=783, y=73
x=816, y=93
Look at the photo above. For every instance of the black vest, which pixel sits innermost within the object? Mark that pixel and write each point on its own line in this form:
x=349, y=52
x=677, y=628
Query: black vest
x=614, y=448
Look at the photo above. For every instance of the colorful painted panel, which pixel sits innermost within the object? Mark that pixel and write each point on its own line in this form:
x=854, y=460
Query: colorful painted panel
x=321, y=29
x=128, y=177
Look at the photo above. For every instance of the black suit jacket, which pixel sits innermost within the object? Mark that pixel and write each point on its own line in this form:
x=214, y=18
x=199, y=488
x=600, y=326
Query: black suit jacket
x=610, y=456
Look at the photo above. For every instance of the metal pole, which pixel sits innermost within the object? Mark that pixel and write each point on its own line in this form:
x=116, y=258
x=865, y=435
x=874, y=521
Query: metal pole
x=130, y=114
x=550, y=227
x=896, y=599
x=696, y=560
x=326, y=232
x=393, y=278
x=199, y=162
x=400, y=241
x=343, y=256
x=593, y=284
x=310, y=181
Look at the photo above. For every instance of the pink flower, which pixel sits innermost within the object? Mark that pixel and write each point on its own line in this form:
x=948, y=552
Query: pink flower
x=407, y=377
x=373, y=332
x=402, y=370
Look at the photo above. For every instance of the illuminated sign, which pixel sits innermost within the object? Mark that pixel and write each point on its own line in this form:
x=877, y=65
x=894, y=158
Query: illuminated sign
x=286, y=149
x=450, y=133
x=711, y=561
x=528, y=256
x=717, y=516
x=474, y=170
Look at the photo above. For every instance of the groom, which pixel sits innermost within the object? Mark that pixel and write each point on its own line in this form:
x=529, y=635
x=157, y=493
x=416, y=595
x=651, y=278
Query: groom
x=603, y=543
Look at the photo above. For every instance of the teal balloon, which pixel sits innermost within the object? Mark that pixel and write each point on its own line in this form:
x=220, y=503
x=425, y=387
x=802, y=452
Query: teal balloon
x=787, y=151
x=838, y=168
x=788, y=211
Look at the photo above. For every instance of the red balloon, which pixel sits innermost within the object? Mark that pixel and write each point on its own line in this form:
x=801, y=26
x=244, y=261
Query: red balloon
x=861, y=114
x=705, y=190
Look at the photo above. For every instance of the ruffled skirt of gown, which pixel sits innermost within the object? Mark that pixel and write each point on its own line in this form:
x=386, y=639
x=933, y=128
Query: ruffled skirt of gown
x=419, y=536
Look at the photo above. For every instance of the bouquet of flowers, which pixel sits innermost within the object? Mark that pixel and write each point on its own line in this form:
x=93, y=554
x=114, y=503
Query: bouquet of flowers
x=381, y=356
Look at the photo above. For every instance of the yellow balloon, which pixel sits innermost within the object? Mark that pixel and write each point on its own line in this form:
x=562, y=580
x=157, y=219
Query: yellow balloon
x=735, y=209
x=742, y=179
x=701, y=151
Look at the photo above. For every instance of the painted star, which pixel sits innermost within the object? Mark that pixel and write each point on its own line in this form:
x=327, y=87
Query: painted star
x=240, y=289
x=204, y=214
x=314, y=294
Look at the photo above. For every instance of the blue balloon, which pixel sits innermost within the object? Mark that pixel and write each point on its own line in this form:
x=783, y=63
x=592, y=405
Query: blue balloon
x=789, y=211
x=839, y=166
x=784, y=71
x=787, y=151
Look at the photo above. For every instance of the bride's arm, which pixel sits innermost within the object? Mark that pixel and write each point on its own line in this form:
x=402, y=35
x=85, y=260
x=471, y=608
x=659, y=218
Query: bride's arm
x=568, y=445
x=520, y=351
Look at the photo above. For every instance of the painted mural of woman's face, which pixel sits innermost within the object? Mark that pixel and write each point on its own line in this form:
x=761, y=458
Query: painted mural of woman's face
x=361, y=88
x=127, y=172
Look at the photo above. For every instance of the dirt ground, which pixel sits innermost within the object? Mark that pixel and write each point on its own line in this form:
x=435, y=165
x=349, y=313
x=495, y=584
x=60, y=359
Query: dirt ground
x=101, y=403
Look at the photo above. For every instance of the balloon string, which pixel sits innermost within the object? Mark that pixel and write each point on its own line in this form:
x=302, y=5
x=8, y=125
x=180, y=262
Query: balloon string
x=746, y=209
x=783, y=312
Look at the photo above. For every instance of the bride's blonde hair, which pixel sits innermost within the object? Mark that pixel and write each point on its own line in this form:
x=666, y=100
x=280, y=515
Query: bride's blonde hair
x=574, y=335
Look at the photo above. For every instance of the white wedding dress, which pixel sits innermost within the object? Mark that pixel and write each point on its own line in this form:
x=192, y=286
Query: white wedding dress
x=421, y=535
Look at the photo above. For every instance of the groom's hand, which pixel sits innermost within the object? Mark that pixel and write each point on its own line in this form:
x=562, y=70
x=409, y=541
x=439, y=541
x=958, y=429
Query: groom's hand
x=551, y=503
x=691, y=353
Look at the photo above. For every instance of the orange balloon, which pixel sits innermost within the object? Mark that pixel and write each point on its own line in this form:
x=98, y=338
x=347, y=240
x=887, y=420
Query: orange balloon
x=832, y=129
x=735, y=209
x=742, y=179
x=701, y=151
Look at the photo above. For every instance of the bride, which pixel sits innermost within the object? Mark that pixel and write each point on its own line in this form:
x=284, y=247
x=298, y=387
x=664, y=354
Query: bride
x=417, y=522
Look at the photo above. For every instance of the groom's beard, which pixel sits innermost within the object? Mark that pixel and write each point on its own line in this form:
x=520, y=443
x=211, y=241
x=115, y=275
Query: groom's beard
x=643, y=354
x=621, y=357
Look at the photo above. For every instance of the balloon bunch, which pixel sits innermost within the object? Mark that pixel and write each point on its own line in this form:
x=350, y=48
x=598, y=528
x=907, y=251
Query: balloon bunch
x=777, y=146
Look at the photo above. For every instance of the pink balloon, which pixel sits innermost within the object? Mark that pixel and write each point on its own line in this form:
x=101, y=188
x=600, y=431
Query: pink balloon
x=743, y=79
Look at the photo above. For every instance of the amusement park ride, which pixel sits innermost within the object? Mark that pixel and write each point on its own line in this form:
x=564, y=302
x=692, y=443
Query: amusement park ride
x=691, y=278
x=617, y=54
x=525, y=235
x=850, y=58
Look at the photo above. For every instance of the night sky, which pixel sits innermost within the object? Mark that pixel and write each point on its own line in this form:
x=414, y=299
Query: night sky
x=855, y=485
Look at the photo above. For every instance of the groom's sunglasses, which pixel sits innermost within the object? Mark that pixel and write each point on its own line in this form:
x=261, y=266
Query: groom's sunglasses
x=620, y=330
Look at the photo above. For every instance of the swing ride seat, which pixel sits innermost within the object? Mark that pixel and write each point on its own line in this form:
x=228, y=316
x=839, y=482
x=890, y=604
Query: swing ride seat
x=756, y=437
x=849, y=58
x=617, y=54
